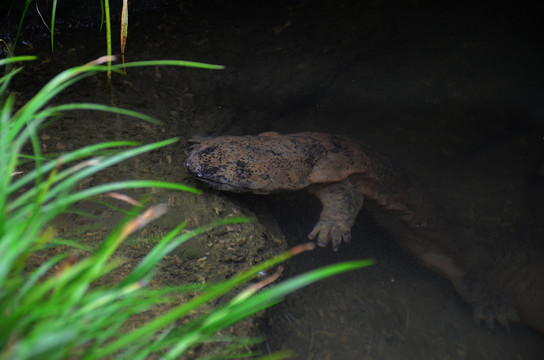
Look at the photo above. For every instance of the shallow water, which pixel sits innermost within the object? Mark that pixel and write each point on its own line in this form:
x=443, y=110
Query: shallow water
x=453, y=93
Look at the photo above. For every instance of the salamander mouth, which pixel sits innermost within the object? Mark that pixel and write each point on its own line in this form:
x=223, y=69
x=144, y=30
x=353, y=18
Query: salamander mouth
x=217, y=184
x=215, y=178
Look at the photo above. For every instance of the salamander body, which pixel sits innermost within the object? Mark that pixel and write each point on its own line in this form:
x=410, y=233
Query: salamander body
x=343, y=174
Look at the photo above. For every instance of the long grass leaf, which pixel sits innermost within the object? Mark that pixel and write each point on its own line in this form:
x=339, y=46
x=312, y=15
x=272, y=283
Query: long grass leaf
x=56, y=85
x=123, y=185
x=5, y=80
x=183, y=63
x=53, y=13
x=212, y=292
x=33, y=278
x=108, y=37
x=170, y=242
x=14, y=59
x=106, y=108
x=20, y=27
x=68, y=158
x=70, y=182
x=124, y=31
x=233, y=312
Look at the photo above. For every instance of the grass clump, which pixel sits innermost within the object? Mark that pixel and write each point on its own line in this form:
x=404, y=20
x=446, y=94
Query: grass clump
x=56, y=310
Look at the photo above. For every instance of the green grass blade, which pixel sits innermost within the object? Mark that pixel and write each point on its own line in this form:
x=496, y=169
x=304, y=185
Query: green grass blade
x=106, y=108
x=212, y=292
x=53, y=13
x=182, y=63
x=91, y=150
x=14, y=59
x=236, y=310
x=20, y=27
x=5, y=80
x=35, y=276
x=69, y=182
x=123, y=185
x=58, y=308
x=170, y=242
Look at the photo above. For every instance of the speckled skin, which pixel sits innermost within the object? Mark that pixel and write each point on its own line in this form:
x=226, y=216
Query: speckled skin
x=343, y=174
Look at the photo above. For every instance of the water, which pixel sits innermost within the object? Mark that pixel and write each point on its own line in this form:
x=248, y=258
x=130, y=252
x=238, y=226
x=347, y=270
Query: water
x=451, y=92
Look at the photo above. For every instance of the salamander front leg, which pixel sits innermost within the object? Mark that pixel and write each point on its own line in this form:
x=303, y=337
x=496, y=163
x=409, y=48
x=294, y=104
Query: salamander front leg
x=341, y=204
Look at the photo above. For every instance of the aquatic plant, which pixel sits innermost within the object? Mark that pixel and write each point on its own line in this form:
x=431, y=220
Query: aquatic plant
x=56, y=309
x=104, y=19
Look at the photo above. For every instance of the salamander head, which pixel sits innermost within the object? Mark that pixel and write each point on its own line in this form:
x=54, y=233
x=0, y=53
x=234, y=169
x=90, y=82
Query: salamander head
x=215, y=166
x=258, y=164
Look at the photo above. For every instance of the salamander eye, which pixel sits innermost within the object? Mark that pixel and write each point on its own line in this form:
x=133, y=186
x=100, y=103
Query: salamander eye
x=265, y=176
x=242, y=176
